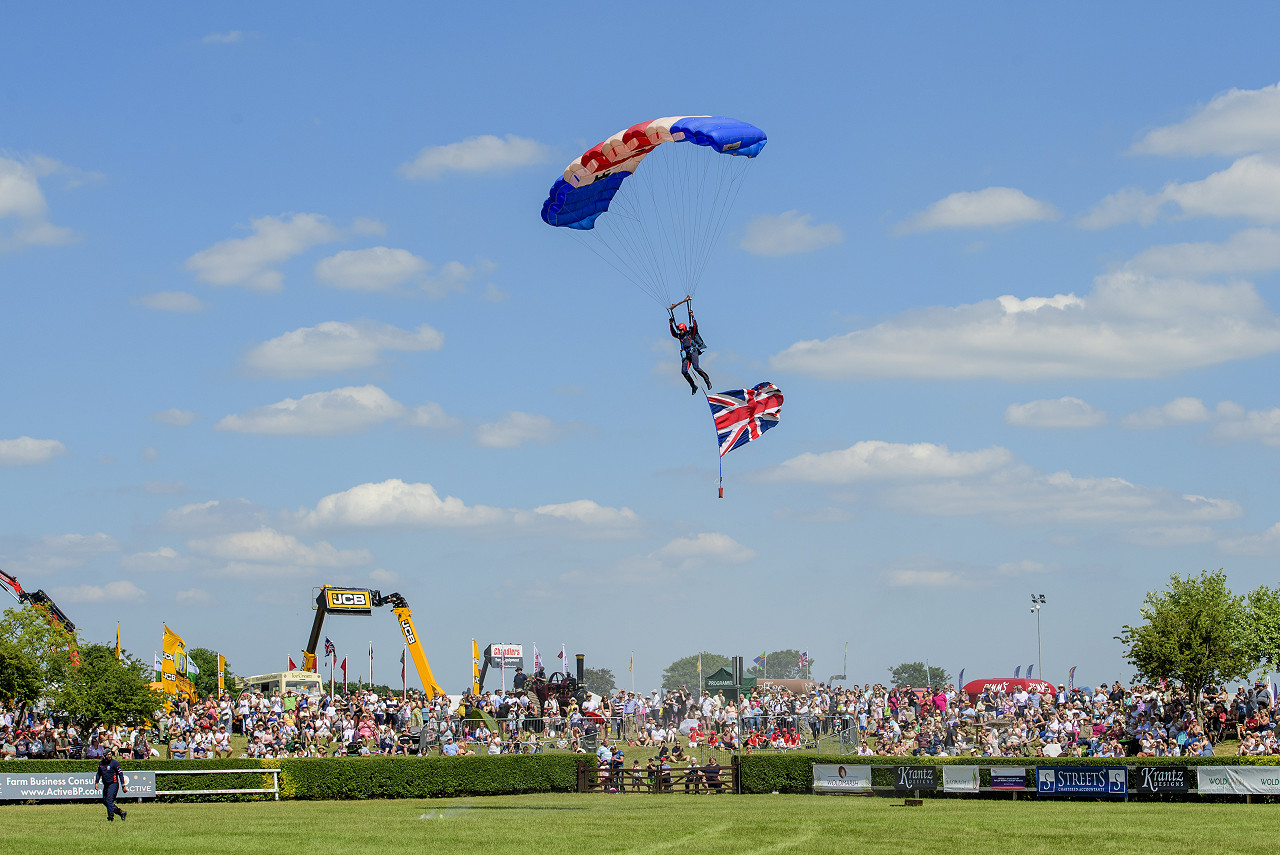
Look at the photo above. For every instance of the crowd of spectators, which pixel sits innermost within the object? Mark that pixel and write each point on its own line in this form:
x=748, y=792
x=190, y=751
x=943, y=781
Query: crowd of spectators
x=1107, y=721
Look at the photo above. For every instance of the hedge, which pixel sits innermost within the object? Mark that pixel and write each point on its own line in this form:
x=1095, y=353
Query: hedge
x=351, y=777
x=793, y=773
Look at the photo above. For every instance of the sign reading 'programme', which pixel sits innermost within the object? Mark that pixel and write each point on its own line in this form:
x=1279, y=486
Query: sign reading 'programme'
x=1082, y=780
x=66, y=786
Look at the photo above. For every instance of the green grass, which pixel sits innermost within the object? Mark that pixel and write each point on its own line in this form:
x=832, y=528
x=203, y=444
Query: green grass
x=601, y=825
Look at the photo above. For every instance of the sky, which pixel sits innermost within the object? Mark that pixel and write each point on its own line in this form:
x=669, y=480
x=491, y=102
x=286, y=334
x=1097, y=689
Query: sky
x=278, y=310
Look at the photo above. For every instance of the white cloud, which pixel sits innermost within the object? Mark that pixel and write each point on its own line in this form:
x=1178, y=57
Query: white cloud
x=432, y=416
x=249, y=260
x=875, y=460
x=1234, y=424
x=928, y=571
x=981, y=209
x=268, y=546
x=1262, y=543
x=1064, y=412
x=60, y=552
x=25, y=451
x=193, y=597
x=21, y=199
x=929, y=479
x=376, y=269
x=1180, y=411
x=216, y=515
x=1248, y=251
x=993, y=206
x=175, y=417
x=587, y=512
x=170, y=301
x=1249, y=188
x=474, y=155
x=450, y=277
x=788, y=233
x=228, y=38
x=395, y=503
x=166, y=559
x=1169, y=537
x=1235, y=122
x=335, y=346
x=120, y=591
x=347, y=410
x=1132, y=325
x=383, y=577
x=515, y=429
x=704, y=548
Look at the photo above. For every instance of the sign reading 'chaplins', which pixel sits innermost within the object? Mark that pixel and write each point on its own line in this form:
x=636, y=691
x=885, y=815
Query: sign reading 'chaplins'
x=915, y=778
x=1082, y=780
x=1161, y=779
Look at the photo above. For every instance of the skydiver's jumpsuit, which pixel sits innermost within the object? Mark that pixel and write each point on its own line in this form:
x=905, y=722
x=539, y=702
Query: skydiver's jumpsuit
x=689, y=351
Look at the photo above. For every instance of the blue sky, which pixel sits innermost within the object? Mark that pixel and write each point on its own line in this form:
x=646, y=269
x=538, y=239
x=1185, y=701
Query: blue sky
x=278, y=310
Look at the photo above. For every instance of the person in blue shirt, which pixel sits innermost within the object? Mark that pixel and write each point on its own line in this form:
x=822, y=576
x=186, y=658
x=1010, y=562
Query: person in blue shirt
x=112, y=780
x=691, y=347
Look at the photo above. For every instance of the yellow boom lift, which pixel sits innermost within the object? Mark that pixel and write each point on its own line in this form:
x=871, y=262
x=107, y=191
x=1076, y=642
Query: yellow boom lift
x=362, y=601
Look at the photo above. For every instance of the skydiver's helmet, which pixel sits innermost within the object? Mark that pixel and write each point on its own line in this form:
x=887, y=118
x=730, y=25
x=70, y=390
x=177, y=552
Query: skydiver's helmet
x=681, y=328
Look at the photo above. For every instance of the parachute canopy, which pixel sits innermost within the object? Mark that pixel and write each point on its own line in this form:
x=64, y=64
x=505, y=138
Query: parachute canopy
x=658, y=233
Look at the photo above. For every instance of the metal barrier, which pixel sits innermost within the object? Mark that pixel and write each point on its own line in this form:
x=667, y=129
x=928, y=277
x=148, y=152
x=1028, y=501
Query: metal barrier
x=275, y=782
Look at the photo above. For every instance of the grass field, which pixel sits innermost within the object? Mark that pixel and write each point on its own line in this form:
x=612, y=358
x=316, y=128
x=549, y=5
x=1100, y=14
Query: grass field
x=601, y=825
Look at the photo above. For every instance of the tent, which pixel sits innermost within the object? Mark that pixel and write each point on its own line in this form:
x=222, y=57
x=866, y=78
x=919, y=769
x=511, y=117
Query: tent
x=722, y=681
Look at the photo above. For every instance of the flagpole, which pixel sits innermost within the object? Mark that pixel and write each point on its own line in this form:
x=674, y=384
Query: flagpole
x=331, y=664
x=404, y=675
x=632, y=669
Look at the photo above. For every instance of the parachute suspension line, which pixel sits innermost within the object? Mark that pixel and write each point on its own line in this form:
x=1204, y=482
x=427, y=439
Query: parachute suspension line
x=735, y=188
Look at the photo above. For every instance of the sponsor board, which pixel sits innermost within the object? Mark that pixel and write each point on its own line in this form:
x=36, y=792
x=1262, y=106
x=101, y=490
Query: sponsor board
x=1238, y=780
x=833, y=778
x=915, y=777
x=1082, y=780
x=960, y=779
x=66, y=786
x=505, y=655
x=1160, y=779
x=1008, y=778
x=351, y=600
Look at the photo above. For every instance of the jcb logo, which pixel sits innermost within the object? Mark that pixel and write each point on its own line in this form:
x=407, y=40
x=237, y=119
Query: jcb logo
x=409, y=637
x=348, y=599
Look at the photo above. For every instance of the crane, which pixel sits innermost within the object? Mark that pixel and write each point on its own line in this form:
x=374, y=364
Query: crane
x=362, y=601
x=39, y=600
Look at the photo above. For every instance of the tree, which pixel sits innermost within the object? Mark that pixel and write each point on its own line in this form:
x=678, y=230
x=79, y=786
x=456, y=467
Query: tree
x=918, y=675
x=19, y=678
x=29, y=632
x=1195, y=632
x=207, y=680
x=783, y=665
x=1263, y=609
x=103, y=690
x=599, y=680
x=684, y=672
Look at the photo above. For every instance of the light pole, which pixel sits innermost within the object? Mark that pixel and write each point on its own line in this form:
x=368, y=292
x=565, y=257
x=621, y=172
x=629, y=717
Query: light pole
x=1037, y=603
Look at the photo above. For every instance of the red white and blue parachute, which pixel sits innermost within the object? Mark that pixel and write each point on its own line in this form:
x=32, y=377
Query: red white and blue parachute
x=659, y=227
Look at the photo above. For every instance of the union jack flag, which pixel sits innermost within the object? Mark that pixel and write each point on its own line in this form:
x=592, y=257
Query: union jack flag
x=329, y=649
x=804, y=659
x=744, y=414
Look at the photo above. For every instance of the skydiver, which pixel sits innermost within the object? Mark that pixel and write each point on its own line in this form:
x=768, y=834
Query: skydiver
x=691, y=347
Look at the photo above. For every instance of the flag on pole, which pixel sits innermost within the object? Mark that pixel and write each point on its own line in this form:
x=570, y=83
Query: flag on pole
x=804, y=660
x=699, y=663
x=1017, y=672
x=759, y=660
x=960, y=680
x=537, y=659
x=742, y=415
x=475, y=667
x=1071, y=677
x=370, y=663
x=157, y=656
x=119, y=652
x=193, y=670
x=564, y=661
x=1029, y=669
x=632, y=665
x=329, y=649
x=404, y=680
x=292, y=667
x=222, y=673
x=344, y=675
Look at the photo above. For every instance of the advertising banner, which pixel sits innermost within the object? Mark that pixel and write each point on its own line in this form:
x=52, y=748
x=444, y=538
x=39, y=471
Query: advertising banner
x=1160, y=779
x=915, y=777
x=65, y=786
x=1238, y=780
x=831, y=778
x=352, y=601
x=505, y=655
x=173, y=660
x=1008, y=778
x=960, y=779
x=1082, y=780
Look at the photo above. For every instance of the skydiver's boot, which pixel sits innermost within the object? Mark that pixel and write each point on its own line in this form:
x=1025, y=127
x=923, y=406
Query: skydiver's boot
x=705, y=378
x=693, y=387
